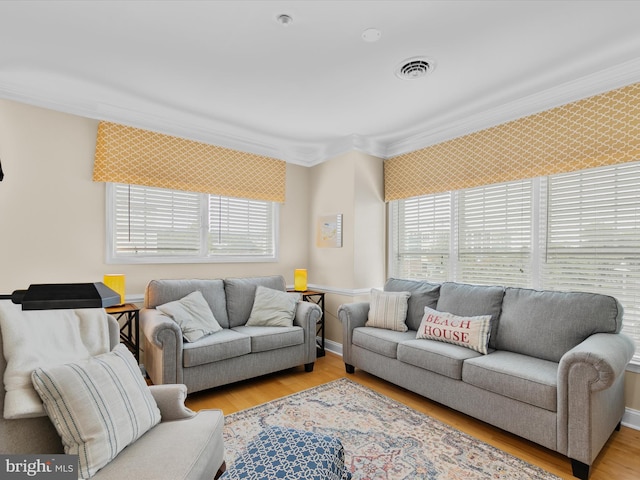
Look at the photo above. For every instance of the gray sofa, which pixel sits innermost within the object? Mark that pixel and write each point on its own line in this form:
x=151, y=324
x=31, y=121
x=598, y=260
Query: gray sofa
x=554, y=372
x=183, y=445
x=238, y=352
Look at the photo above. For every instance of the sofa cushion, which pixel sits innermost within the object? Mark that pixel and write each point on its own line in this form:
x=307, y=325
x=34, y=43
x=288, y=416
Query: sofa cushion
x=187, y=449
x=240, y=293
x=224, y=344
x=98, y=406
x=388, y=310
x=468, y=332
x=378, y=340
x=273, y=308
x=159, y=292
x=438, y=357
x=423, y=294
x=521, y=377
x=547, y=324
x=272, y=338
x=193, y=315
x=472, y=300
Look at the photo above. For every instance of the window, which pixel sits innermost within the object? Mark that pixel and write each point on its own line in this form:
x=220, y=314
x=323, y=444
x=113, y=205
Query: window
x=577, y=231
x=494, y=234
x=156, y=225
x=421, y=234
x=593, y=238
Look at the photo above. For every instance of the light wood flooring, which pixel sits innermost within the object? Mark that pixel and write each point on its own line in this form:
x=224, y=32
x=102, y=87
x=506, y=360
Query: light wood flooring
x=619, y=460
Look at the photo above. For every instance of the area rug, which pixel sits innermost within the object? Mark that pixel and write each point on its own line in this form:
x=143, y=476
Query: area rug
x=382, y=438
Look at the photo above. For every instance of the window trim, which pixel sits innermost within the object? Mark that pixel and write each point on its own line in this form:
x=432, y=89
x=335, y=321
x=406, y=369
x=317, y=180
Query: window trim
x=112, y=258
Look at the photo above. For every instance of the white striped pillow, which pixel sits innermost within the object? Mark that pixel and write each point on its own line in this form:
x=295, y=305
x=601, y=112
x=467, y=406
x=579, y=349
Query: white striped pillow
x=98, y=406
x=388, y=310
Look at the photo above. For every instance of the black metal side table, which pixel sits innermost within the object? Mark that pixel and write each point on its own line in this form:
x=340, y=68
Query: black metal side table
x=130, y=328
x=316, y=297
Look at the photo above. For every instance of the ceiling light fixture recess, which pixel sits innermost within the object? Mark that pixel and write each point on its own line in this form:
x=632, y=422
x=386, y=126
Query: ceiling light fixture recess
x=284, y=19
x=414, y=68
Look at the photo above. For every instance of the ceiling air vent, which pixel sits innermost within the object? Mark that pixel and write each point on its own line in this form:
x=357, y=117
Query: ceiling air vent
x=412, y=68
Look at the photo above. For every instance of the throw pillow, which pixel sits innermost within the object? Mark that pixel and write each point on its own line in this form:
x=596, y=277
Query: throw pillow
x=273, y=308
x=388, y=310
x=469, y=332
x=194, y=316
x=98, y=406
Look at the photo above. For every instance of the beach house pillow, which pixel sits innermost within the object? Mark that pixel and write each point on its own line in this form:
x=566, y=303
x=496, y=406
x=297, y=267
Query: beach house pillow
x=388, y=310
x=98, y=406
x=469, y=332
x=194, y=316
x=273, y=308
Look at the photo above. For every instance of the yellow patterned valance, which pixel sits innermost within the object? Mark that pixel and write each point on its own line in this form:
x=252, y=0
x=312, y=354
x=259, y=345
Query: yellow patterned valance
x=596, y=131
x=140, y=157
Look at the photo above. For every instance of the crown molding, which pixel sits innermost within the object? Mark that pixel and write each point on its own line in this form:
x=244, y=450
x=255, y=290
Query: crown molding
x=170, y=122
x=460, y=123
x=188, y=125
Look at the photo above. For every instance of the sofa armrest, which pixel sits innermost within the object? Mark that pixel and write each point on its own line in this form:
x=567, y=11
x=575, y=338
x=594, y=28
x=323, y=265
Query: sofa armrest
x=307, y=316
x=607, y=356
x=351, y=315
x=591, y=393
x=170, y=400
x=162, y=347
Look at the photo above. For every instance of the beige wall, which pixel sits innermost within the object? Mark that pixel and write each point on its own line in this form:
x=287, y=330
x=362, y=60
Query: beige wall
x=52, y=218
x=350, y=184
x=52, y=215
x=632, y=390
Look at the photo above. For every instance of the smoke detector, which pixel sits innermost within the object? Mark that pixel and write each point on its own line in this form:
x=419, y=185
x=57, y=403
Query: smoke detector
x=371, y=35
x=414, y=68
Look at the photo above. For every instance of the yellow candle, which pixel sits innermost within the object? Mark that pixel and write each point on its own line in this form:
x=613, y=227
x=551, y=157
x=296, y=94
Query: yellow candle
x=300, y=279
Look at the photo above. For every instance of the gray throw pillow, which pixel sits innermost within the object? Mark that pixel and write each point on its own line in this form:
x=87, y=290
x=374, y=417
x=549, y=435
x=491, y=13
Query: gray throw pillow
x=273, y=308
x=193, y=315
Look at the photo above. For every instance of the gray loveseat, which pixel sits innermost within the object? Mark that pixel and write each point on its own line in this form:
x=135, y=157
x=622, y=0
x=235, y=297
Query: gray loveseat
x=238, y=352
x=554, y=372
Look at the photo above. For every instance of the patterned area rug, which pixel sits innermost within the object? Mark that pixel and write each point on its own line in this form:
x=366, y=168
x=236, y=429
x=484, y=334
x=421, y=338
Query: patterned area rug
x=383, y=439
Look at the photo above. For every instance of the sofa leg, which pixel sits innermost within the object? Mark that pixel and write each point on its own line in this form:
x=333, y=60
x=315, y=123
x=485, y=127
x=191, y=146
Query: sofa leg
x=308, y=367
x=349, y=368
x=618, y=426
x=221, y=470
x=579, y=469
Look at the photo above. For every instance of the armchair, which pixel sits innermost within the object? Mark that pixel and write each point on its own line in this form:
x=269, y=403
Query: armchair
x=185, y=444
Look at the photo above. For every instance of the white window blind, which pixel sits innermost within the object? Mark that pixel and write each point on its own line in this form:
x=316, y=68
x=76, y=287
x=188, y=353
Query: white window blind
x=593, y=239
x=157, y=225
x=421, y=231
x=240, y=227
x=155, y=221
x=494, y=234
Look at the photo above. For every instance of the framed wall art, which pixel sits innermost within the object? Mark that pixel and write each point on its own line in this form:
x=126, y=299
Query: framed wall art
x=329, y=231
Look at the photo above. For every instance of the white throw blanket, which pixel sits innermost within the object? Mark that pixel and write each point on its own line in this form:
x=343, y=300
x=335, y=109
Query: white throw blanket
x=36, y=338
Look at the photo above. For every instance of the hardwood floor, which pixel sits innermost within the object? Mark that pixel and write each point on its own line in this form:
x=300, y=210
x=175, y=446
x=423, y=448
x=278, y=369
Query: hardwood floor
x=619, y=460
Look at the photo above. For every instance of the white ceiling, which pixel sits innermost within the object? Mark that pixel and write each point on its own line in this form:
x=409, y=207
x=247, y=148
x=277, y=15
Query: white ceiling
x=227, y=73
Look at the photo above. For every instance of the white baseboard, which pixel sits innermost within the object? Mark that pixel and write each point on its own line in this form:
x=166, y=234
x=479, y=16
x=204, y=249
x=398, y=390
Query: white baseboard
x=333, y=347
x=631, y=418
